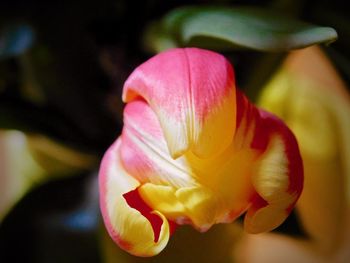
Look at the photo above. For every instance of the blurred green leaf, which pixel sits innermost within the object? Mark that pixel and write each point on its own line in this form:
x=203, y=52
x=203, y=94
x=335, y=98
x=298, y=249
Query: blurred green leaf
x=15, y=40
x=156, y=39
x=222, y=28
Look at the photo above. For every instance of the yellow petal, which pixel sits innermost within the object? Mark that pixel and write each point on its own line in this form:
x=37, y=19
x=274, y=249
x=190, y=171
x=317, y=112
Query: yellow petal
x=271, y=180
x=126, y=225
x=184, y=205
x=163, y=198
x=201, y=204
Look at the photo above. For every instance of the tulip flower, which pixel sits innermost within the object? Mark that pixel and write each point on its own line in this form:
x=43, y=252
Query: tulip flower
x=195, y=151
x=309, y=95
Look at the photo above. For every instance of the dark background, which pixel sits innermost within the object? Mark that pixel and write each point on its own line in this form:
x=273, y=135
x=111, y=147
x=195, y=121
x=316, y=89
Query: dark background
x=81, y=54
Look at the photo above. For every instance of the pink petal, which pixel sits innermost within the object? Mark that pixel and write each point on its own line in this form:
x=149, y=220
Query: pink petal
x=192, y=93
x=278, y=177
x=144, y=151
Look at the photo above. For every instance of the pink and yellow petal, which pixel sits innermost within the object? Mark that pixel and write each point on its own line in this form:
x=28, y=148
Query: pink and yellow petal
x=182, y=188
x=188, y=115
x=144, y=151
x=124, y=217
x=277, y=177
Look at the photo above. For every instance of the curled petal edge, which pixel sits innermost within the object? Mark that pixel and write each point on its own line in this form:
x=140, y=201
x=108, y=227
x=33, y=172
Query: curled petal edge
x=128, y=227
x=276, y=190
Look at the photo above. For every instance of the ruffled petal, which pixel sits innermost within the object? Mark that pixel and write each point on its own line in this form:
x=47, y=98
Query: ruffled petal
x=163, y=198
x=185, y=189
x=194, y=100
x=201, y=205
x=277, y=177
x=133, y=226
x=187, y=205
x=170, y=186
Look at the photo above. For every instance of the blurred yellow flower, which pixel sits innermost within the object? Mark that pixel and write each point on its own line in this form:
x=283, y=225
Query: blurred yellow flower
x=18, y=169
x=27, y=160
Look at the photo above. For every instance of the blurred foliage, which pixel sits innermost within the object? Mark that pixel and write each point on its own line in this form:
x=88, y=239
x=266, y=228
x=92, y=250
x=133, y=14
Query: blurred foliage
x=62, y=66
x=223, y=28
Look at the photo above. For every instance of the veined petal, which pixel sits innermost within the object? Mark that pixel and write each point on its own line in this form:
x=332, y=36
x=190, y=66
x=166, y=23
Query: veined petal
x=170, y=186
x=277, y=179
x=185, y=189
x=124, y=214
x=194, y=100
x=144, y=151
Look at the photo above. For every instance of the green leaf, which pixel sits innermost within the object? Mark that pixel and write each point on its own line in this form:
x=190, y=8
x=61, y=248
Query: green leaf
x=223, y=28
